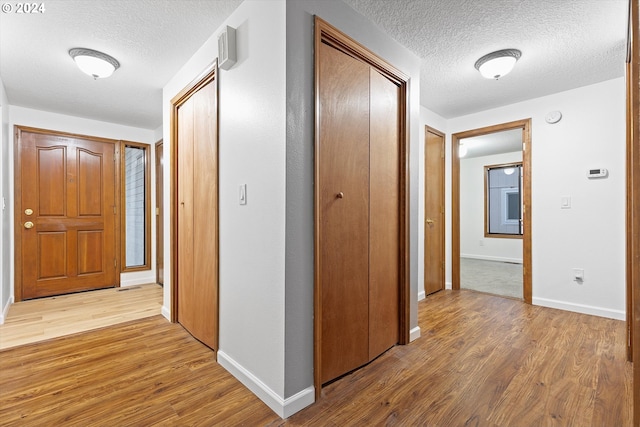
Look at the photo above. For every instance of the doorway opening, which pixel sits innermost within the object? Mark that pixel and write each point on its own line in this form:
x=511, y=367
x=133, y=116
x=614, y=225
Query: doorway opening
x=491, y=210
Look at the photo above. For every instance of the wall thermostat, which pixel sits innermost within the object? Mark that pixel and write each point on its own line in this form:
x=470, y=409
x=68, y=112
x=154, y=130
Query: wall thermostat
x=597, y=173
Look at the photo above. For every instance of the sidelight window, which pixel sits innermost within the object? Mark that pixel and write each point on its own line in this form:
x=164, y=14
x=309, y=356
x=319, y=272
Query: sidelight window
x=135, y=206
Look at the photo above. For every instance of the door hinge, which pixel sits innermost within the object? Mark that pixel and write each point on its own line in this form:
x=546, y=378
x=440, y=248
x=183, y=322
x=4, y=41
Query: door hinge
x=114, y=210
x=115, y=263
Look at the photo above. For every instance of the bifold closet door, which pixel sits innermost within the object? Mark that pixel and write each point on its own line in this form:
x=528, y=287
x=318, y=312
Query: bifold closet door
x=384, y=217
x=358, y=185
x=344, y=199
x=197, y=216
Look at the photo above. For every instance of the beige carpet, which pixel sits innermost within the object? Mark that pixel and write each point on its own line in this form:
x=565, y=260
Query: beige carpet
x=499, y=278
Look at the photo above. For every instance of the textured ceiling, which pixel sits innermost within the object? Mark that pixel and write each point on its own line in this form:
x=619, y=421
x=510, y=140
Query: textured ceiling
x=151, y=39
x=565, y=44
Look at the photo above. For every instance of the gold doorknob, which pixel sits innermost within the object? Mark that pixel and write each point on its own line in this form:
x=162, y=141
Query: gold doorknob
x=28, y=225
x=340, y=195
x=430, y=221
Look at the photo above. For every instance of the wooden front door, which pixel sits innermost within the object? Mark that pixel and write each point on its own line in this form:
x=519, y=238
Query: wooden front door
x=66, y=218
x=197, y=211
x=434, y=252
x=360, y=202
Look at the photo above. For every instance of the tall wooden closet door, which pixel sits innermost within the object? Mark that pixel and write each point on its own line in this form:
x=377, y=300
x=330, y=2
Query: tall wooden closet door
x=384, y=244
x=197, y=216
x=344, y=212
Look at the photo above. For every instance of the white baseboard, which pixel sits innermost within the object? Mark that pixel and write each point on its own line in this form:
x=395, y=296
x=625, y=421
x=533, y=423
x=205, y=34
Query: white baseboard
x=283, y=407
x=166, y=313
x=414, y=334
x=448, y=285
x=421, y=295
x=581, y=308
x=492, y=258
x=135, y=282
x=5, y=310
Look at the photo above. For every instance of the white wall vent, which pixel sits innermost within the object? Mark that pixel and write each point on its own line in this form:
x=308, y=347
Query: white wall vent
x=227, y=48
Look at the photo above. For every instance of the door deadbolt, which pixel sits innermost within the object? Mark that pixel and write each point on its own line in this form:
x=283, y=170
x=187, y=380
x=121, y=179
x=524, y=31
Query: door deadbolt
x=28, y=212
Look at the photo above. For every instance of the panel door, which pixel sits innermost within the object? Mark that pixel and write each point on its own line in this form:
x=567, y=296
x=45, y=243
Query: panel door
x=68, y=218
x=384, y=208
x=344, y=212
x=434, y=251
x=197, y=216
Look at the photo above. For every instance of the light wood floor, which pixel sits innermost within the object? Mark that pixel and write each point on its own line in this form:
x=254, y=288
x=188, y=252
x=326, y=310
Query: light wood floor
x=481, y=361
x=46, y=318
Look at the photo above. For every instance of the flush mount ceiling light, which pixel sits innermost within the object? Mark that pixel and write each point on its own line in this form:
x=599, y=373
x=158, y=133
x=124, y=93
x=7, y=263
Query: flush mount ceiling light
x=97, y=64
x=497, y=64
x=509, y=171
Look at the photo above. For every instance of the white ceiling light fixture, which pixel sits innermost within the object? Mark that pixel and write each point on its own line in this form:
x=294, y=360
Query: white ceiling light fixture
x=498, y=64
x=462, y=150
x=96, y=64
x=509, y=171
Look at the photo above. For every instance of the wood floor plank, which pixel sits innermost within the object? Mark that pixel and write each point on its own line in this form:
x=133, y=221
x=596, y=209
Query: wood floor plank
x=46, y=318
x=482, y=361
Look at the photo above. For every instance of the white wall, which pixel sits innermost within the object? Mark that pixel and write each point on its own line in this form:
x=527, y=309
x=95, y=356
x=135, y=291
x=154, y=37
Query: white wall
x=60, y=122
x=252, y=125
x=472, y=196
x=266, y=141
x=157, y=133
x=590, y=235
x=5, y=202
x=435, y=121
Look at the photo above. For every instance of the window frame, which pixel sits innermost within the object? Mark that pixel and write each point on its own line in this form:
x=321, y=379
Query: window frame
x=503, y=214
x=147, y=207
